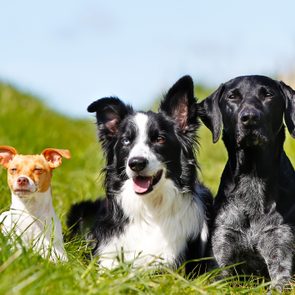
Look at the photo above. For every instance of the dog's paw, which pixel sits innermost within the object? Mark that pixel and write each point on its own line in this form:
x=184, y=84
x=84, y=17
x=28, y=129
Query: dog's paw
x=279, y=285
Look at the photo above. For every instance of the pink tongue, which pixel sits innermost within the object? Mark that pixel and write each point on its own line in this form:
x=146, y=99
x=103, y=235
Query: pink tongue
x=141, y=184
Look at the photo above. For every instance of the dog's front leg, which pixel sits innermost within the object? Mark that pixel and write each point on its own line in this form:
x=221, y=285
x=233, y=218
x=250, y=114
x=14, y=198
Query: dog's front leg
x=226, y=244
x=276, y=247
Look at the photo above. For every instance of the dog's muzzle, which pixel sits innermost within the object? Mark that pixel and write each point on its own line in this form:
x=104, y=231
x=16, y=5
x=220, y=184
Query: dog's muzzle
x=250, y=131
x=24, y=186
x=137, y=164
x=249, y=118
x=142, y=182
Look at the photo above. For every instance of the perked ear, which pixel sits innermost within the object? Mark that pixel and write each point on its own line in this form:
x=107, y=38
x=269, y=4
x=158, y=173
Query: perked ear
x=7, y=153
x=210, y=113
x=54, y=156
x=180, y=104
x=110, y=111
x=289, y=94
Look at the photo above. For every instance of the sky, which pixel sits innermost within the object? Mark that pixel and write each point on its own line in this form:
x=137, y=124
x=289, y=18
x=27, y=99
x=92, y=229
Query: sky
x=72, y=52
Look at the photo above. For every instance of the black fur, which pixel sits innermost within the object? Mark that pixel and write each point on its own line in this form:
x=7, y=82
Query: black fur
x=82, y=216
x=255, y=202
x=171, y=138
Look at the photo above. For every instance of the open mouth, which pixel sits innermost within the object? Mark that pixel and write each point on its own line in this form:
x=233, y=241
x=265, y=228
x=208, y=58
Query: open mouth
x=144, y=184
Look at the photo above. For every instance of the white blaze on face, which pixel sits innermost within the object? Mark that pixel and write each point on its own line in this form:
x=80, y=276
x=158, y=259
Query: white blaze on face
x=142, y=149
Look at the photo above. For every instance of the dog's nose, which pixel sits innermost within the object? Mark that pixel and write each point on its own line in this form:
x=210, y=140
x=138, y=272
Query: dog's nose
x=137, y=163
x=249, y=117
x=22, y=181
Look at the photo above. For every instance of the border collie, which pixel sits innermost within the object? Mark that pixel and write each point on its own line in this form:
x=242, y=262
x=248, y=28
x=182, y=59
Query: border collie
x=155, y=210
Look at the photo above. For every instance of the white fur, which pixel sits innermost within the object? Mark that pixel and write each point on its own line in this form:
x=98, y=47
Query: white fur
x=33, y=219
x=141, y=149
x=160, y=225
x=31, y=186
x=160, y=222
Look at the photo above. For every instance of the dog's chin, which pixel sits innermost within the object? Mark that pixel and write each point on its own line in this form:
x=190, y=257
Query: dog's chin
x=252, y=139
x=23, y=193
x=143, y=185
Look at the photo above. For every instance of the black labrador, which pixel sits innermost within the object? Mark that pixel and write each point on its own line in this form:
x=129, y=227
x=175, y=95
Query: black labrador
x=254, y=206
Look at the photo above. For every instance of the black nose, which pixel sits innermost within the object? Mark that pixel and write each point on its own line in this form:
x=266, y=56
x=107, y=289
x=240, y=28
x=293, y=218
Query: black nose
x=137, y=163
x=249, y=117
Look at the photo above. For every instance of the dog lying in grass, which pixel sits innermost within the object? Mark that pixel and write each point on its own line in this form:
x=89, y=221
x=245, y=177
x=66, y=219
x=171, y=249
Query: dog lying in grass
x=31, y=217
x=156, y=210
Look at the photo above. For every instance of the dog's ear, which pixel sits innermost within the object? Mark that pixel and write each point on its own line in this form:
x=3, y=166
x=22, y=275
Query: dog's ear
x=7, y=153
x=180, y=104
x=289, y=94
x=210, y=113
x=54, y=156
x=110, y=111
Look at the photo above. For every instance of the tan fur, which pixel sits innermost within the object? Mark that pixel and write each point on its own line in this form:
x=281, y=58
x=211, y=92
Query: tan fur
x=29, y=165
x=37, y=167
x=31, y=216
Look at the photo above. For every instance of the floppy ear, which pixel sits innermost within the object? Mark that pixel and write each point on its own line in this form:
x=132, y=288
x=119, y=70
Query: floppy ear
x=54, y=156
x=289, y=94
x=110, y=111
x=210, y=113
x=7, y=153
x=180, y=104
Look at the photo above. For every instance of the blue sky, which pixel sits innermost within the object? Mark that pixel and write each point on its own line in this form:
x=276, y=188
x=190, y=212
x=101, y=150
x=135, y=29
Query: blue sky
x=73, y=52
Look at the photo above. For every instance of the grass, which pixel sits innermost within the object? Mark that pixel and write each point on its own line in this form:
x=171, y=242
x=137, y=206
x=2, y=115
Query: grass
x=30, y=126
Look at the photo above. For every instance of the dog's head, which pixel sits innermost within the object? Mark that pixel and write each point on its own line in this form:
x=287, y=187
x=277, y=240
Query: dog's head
x=251, y=110
x=144, y=149
x=28, y=174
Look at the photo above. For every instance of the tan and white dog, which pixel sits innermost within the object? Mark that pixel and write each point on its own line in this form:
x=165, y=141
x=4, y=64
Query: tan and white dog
x=31, y=217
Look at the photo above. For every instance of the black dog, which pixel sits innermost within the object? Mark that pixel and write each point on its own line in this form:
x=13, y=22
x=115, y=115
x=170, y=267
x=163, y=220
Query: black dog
x=156, y=209
x=256, y=198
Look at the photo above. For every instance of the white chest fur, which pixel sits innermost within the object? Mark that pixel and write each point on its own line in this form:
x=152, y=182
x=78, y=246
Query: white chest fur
x=34, y=221
x=159, y=229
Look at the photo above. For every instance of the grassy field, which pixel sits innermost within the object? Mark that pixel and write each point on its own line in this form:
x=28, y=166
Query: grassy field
x=28, y=125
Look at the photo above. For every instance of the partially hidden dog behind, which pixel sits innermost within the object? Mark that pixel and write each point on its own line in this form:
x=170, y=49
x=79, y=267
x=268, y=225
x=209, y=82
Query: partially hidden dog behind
x=31, y=217
x=156, y=210
x=254, y=206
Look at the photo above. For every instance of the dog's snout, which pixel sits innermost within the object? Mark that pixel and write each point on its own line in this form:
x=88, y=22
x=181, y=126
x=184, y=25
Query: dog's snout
x=249, y=117
x=137, y=164
x=22, y=181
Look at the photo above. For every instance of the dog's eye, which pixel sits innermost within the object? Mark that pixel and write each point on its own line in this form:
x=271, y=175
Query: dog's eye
x=125, y=141
x=232, y=96
x=38, y=170
x=265, y=93
x=13, y=170
x=268, y=94
x=160, y=139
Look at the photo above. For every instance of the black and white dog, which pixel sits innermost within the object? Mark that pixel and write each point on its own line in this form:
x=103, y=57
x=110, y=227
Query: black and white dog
x=255, y=202
x=155, y=210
